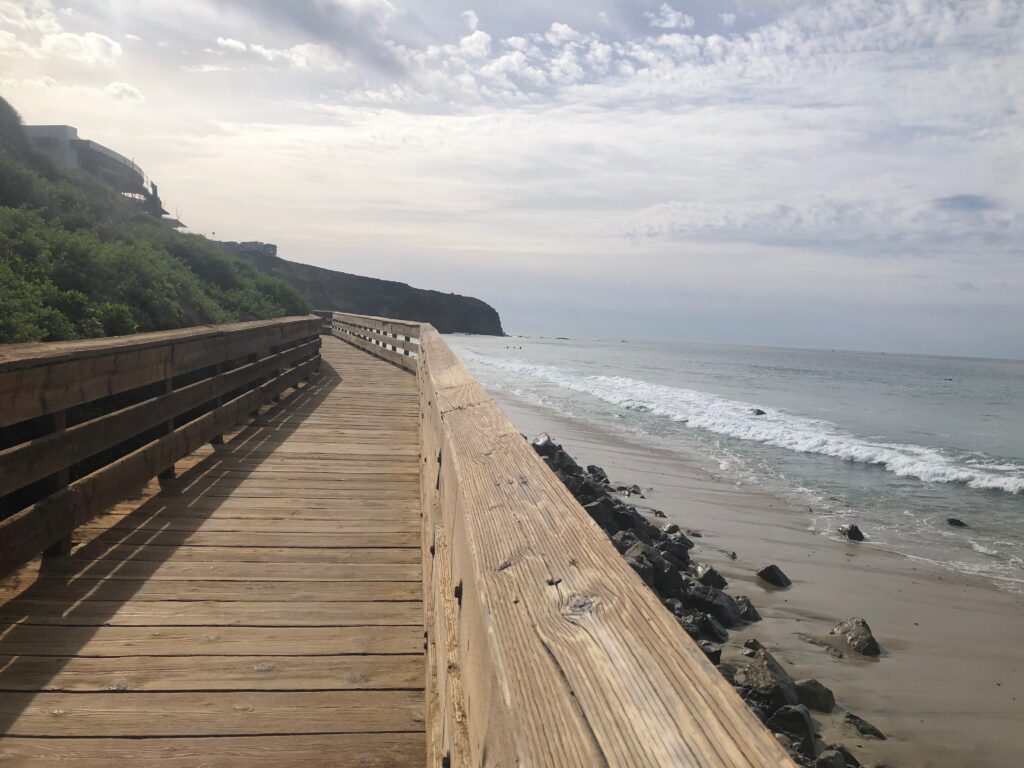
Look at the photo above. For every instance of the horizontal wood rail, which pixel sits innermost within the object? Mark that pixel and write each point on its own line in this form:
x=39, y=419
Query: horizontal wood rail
x=544, y=647
x=82, y=422
x=396, y=341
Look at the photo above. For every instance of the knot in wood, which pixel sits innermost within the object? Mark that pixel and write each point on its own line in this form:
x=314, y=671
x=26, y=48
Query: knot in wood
x=580, y=604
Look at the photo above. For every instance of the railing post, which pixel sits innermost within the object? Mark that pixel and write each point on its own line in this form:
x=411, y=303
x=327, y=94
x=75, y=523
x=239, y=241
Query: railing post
x=169, y=473
x=218, y=439
x=60, y=481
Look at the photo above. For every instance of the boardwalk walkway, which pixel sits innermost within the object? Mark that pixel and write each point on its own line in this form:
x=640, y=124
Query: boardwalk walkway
x=263, y=609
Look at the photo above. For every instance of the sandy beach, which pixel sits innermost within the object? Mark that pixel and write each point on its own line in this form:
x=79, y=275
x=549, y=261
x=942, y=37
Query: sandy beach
x=948, y=689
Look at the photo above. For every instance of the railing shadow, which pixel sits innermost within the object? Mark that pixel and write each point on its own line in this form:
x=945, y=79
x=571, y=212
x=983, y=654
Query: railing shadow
x=85, y=584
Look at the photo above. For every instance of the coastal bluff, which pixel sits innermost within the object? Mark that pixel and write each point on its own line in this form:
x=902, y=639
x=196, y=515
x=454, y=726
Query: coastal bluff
x=448, y=312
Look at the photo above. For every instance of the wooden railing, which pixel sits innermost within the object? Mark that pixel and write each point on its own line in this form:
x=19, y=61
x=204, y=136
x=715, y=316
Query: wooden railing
x=391, y=340
x=544, y=648
x=82, y=421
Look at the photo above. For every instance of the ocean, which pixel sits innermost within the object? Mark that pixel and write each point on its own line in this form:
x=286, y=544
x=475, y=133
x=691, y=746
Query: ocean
x=895, y=443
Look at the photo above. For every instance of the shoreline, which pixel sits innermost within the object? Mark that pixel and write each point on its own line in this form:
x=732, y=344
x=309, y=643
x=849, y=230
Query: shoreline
x=948, y=689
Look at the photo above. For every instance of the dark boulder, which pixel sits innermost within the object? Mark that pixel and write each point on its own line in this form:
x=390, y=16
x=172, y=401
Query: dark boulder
x=830, y=758
x=603, y=513
x=709, y=577
x=863, y=727
x=851, y=761
x=758, y=412
x=555, y=456
x=628, y=519
x=589, y=490
x=774, y=576
x=857, y=634
x=814, y=695
x=712, y=629
x=713, y=652
x=766, y=679
x=597, y=473
x=623, y=540
x=852, y=532
x=747, y=610
x=794, y=722
x=956, y=522
x=643, y=567
x=713, y=601
x=659, y=514
x=670, y=529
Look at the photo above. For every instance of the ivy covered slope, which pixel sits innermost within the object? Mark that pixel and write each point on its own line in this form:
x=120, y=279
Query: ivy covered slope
x=77, y=261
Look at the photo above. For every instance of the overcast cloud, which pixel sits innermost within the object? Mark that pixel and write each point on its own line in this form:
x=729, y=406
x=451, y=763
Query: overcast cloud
x=843, y=173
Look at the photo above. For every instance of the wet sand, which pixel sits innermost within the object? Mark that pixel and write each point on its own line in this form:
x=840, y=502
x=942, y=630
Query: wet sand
x=948, y=689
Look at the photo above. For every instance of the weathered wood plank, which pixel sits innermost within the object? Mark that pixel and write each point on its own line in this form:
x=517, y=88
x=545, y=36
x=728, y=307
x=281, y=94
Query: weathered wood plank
x=189, y=642
x=211, y=613
x=383, y=750
x=210, y=714
x=210, y=673
x=391, y=565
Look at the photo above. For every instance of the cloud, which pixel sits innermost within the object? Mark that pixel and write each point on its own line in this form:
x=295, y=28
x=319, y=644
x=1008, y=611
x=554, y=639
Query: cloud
x=728, y=19
x=302, y=56
x=133, y=38
x=668, y=17
x=91, y=48
x=29, y=15
x=965, y=203
x=471, y=19
x=123, y=92
x=231, y=44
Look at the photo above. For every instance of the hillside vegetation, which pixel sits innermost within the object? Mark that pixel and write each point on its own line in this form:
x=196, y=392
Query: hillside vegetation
x=77, y=261
x=342, y=292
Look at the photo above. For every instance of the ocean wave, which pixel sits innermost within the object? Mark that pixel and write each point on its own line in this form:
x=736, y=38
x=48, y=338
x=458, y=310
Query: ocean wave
x=736, y=419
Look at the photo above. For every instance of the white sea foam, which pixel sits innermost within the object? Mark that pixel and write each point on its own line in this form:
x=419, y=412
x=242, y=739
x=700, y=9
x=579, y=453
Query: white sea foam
x=735, y=419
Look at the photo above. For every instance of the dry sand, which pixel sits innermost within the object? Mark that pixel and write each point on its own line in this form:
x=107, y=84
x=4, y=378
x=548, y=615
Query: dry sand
x=949, y=688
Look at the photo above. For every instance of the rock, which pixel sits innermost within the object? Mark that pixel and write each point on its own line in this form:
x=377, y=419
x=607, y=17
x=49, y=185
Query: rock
x=747, y=610
x=603, y=513
x=774, y=575
x=643, y=567
x=553, y=454
x=670, y=529
x=713, y=601
x=852, y=532
x=694, y=534
x=768, y=680
x=709, y=577
x=712, y=629
x=830, y=758
x=758, y=412
x=713, y=652
x=863, y=727
x=851, y=761
x=545, y=446
x=794, y=721
x=589, y=490
x=814, y=695
x=623, y=540
x=597, y=473
x=753, y=644
x=956, y=522
x=658, y=513
x=628, y=519
x=664, y=578
x=857, y=634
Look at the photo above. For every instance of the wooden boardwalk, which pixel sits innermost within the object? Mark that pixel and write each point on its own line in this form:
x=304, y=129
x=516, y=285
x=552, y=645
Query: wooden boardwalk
x=265, y=608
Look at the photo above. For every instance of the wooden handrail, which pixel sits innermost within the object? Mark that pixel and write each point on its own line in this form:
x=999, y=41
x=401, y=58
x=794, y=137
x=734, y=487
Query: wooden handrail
x=82, y=421
x=544, y=647
x=396, y=341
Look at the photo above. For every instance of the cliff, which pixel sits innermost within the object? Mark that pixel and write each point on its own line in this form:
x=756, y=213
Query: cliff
x=327, y=289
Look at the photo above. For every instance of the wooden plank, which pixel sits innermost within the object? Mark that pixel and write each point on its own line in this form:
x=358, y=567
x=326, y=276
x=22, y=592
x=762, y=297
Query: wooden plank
x=188, y=642
x=211, y=714
x=391, y=325
x=174, y=554
x=566, y=658
x=210, y=673
x=170, y=522
x=383, y=750
x=250, y=539
x=210, y=613
x=403, y=566
x=214, y=589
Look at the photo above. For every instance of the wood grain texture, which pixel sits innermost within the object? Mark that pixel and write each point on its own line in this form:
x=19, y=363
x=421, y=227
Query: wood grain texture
x=383, y=750
x=564, y=656
x=263, y=608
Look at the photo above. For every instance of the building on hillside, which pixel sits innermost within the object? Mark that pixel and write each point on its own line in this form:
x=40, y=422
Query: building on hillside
x=61, y=145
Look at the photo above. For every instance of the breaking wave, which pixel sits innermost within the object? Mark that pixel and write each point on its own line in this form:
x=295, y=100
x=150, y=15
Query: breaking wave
x=736, y=419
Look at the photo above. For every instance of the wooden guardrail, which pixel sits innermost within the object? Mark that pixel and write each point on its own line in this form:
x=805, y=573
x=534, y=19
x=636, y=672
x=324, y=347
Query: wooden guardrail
x=544, y=648
x=81, y=421
x=391, y=340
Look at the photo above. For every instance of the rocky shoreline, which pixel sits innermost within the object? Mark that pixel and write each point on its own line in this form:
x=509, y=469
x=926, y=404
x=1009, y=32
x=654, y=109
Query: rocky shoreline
x=696, y=594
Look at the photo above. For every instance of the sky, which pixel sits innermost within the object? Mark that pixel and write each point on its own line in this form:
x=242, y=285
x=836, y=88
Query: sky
x=843, y=174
